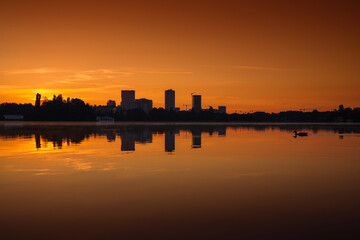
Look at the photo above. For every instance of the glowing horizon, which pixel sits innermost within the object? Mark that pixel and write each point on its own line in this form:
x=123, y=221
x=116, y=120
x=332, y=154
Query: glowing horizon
x=263, y=56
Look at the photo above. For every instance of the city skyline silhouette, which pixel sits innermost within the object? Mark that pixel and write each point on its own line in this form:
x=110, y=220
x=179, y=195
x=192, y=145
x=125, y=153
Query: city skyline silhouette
x=250, y=56
x=180, y=119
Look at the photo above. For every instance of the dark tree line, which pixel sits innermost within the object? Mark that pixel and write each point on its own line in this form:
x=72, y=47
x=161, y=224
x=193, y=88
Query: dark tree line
x=162, y=115
x=345, y=115
x=75, y=109
x=56, y=109
x=59, y=109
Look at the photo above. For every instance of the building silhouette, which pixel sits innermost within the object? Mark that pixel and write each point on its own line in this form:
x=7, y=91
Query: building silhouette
x=128, y=99
x=169, y=99
x=111, y=103
x=222, y=109
x=169, y=141
x=196, y=103
x=144, y=104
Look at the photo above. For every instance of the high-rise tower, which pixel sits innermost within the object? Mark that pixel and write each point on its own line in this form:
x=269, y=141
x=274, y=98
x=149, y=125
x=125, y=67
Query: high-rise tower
x=169, y=99
x=128, y=99
x=196, y=103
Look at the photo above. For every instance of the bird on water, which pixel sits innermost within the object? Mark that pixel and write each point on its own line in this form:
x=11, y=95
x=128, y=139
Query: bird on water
x=300, y=134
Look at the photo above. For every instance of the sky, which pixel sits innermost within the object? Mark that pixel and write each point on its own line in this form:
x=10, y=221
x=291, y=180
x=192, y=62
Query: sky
x=254, y=55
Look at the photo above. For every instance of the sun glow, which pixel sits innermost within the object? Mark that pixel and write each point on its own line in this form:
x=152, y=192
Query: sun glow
x=246, y=56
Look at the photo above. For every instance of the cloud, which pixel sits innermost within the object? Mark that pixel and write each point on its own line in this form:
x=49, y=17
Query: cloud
x=30, y=170
x=72, y=76
x=31, y=71
x=67, y=81
x=259, y=68
x=79, y=77
x=160, y=72
x=7, y=87
x=116, y=86
x=96, y=74
x=107, y=71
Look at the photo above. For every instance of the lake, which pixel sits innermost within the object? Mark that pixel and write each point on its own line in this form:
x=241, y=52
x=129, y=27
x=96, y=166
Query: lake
x=179, y=181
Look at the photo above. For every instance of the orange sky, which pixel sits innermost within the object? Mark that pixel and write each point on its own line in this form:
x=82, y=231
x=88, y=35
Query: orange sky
x=248, y=55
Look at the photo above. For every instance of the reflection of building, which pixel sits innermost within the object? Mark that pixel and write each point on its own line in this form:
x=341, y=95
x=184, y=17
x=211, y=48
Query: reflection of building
x=144, y=136
x=169, y=99
x=169, y=141
x=111, y=136
x=111, y=103
x=196, y=139
x=128, y=99
x=196, y=103
x=222, y=132
x=127, y=141
x=129, y=138
x=144, y=104
x=222, y=109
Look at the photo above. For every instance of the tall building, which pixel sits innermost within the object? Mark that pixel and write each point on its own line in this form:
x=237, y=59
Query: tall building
x=196, y=103
x=128, y=99
x=170, y=100
x=144, y=104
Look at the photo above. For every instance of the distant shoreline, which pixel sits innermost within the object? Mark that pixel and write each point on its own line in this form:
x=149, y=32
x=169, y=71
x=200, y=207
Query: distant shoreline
x=78, y=110
x=158, y=123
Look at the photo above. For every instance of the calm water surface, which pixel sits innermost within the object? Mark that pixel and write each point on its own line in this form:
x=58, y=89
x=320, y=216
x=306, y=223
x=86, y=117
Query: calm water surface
x=88, y=181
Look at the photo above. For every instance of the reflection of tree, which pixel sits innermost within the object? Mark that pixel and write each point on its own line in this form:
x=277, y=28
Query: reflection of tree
x=37, y=140
x=55, y=134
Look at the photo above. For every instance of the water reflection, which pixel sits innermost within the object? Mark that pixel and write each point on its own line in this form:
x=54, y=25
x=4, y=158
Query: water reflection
x=69, y=134
x=196, y=138
x=237, y=182
x=169, y=141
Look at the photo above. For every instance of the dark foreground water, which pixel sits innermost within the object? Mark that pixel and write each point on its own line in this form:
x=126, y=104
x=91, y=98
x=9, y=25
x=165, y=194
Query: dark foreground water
x=89, y=181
